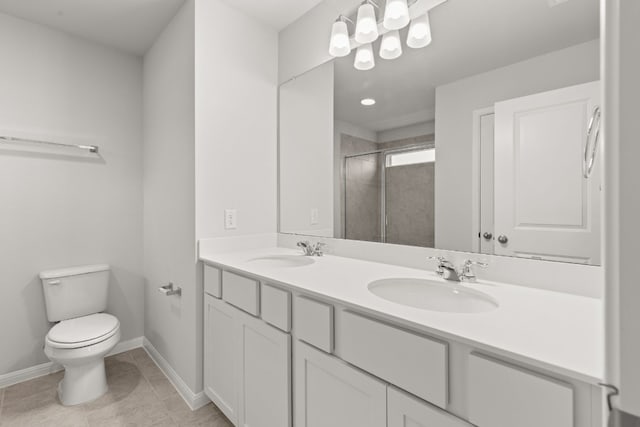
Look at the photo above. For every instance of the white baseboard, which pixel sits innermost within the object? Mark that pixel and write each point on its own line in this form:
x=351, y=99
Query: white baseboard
x=193, y=400
x=123, y=346
x=49, y=367
x=27, y=374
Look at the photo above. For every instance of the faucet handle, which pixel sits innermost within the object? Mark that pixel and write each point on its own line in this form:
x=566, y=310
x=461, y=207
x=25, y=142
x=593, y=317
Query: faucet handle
x=467, y=271
x=317, y=249
x=470, y=262
x=441, y=260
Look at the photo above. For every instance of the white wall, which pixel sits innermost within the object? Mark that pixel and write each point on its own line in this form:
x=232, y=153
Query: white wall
x=404, y=132
x=306, y=152
x=210, y=144
x=61, y=208
x=305, y=43
x=171, y=323
x=236, y=121
x=455, y=103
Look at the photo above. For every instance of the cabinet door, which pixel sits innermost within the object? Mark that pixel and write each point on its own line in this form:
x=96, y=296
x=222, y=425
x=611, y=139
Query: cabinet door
x=329, y=392
x=501, y=395
x=404, y=410
x=265, y=377
x=220, y=349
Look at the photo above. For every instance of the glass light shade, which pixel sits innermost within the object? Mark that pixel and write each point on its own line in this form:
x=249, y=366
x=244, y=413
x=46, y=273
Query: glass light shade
x=366, y=25
x=339, y=45
x=419, y=32
x=365, y=60
x=391, y=46
x=396, y=14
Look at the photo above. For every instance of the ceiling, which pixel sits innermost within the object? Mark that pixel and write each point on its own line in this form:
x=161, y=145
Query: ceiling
x=129, y=25
x=133, y=25
x=469, y=37
x=275, y=13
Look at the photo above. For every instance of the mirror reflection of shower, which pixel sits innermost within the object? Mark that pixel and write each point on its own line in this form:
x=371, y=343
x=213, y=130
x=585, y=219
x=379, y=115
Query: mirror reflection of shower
x=388, y=190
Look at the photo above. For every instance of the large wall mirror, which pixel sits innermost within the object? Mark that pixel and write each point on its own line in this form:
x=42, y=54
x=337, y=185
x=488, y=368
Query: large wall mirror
x=475, y=143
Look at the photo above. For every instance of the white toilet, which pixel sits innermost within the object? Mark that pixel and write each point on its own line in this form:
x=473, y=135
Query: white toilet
x=76, y=298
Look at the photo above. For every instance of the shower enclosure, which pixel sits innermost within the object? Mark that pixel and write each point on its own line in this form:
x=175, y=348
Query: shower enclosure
x=389, y=196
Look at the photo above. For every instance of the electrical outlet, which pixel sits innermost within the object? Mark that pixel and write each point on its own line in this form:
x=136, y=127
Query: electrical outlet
x=230, y=219
x=315, y=216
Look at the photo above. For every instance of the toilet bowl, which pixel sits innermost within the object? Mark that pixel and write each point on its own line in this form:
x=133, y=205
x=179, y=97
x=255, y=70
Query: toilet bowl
x=76, y=298
x=80, y=345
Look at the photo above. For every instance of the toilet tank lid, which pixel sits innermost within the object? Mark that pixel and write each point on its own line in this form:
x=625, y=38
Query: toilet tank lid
x=73, y=271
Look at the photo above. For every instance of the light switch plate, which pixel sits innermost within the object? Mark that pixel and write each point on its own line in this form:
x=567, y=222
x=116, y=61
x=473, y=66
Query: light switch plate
x=230, y=219
x=315, y=216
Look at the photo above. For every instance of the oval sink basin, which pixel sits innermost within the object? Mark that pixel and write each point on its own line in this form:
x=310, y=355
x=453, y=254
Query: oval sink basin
x=282, y=261
x=432, y=295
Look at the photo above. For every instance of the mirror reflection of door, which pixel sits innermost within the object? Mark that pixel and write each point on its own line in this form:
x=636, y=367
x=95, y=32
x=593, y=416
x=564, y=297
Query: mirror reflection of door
x=535, y=201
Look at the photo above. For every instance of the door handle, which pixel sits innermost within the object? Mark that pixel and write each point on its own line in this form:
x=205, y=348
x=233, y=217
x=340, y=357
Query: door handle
x=503, y=239
x=487, y=235
x=589, y=158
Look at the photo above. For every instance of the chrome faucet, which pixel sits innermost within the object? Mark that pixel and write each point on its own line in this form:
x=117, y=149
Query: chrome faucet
x=311, y=249
x=448, y=271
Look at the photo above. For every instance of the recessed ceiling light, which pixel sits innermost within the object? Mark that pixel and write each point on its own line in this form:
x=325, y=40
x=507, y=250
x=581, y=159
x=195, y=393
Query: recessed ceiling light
x=367, y=102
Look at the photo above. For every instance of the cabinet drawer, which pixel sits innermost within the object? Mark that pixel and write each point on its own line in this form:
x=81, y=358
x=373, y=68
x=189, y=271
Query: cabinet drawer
x=501, y=395
x=404, y=410
x=412, y=362
x=212, y=281
x=275, y=307
x=242, y=292
x=314, y=323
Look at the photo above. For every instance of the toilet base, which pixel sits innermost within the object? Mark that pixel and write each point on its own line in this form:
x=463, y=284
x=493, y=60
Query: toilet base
x=83, y=383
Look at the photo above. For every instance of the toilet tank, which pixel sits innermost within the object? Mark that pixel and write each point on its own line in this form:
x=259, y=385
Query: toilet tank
x=75, y=292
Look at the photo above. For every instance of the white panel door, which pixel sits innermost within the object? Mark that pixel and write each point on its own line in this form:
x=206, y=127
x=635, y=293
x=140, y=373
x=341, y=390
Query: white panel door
x=404, y=410
x=544, y=206
x=220, y=361
x=331, y=393
x=265, y=377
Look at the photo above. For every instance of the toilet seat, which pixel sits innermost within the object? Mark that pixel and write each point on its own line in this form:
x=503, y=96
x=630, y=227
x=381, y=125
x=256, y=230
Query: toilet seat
x=83, y=331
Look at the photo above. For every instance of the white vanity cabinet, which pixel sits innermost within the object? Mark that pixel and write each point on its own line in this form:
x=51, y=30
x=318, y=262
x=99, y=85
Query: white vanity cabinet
x=329, y=392
x=281, y=357
x=247, y=366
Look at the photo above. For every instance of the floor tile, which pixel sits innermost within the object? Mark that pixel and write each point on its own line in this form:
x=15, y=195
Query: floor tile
x=139, y=395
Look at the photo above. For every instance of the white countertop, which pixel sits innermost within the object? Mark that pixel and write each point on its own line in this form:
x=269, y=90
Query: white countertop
x=560, y=332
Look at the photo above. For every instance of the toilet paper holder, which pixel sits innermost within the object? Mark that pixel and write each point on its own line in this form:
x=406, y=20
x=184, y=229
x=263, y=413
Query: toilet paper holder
x=170, y=289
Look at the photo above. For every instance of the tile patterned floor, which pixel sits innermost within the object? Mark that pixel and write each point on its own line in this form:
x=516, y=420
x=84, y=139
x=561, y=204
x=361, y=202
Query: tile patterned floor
x=139, y=395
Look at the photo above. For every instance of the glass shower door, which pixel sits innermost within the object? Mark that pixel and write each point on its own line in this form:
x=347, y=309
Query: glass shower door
x=362, y=197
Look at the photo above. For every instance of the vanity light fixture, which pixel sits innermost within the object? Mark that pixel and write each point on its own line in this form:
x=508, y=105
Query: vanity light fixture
x=365, y=60
x=419, y=32
x=339, y=45
x=391, y=46
x=396, y=14
x=366, y=23
x=368, y=102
